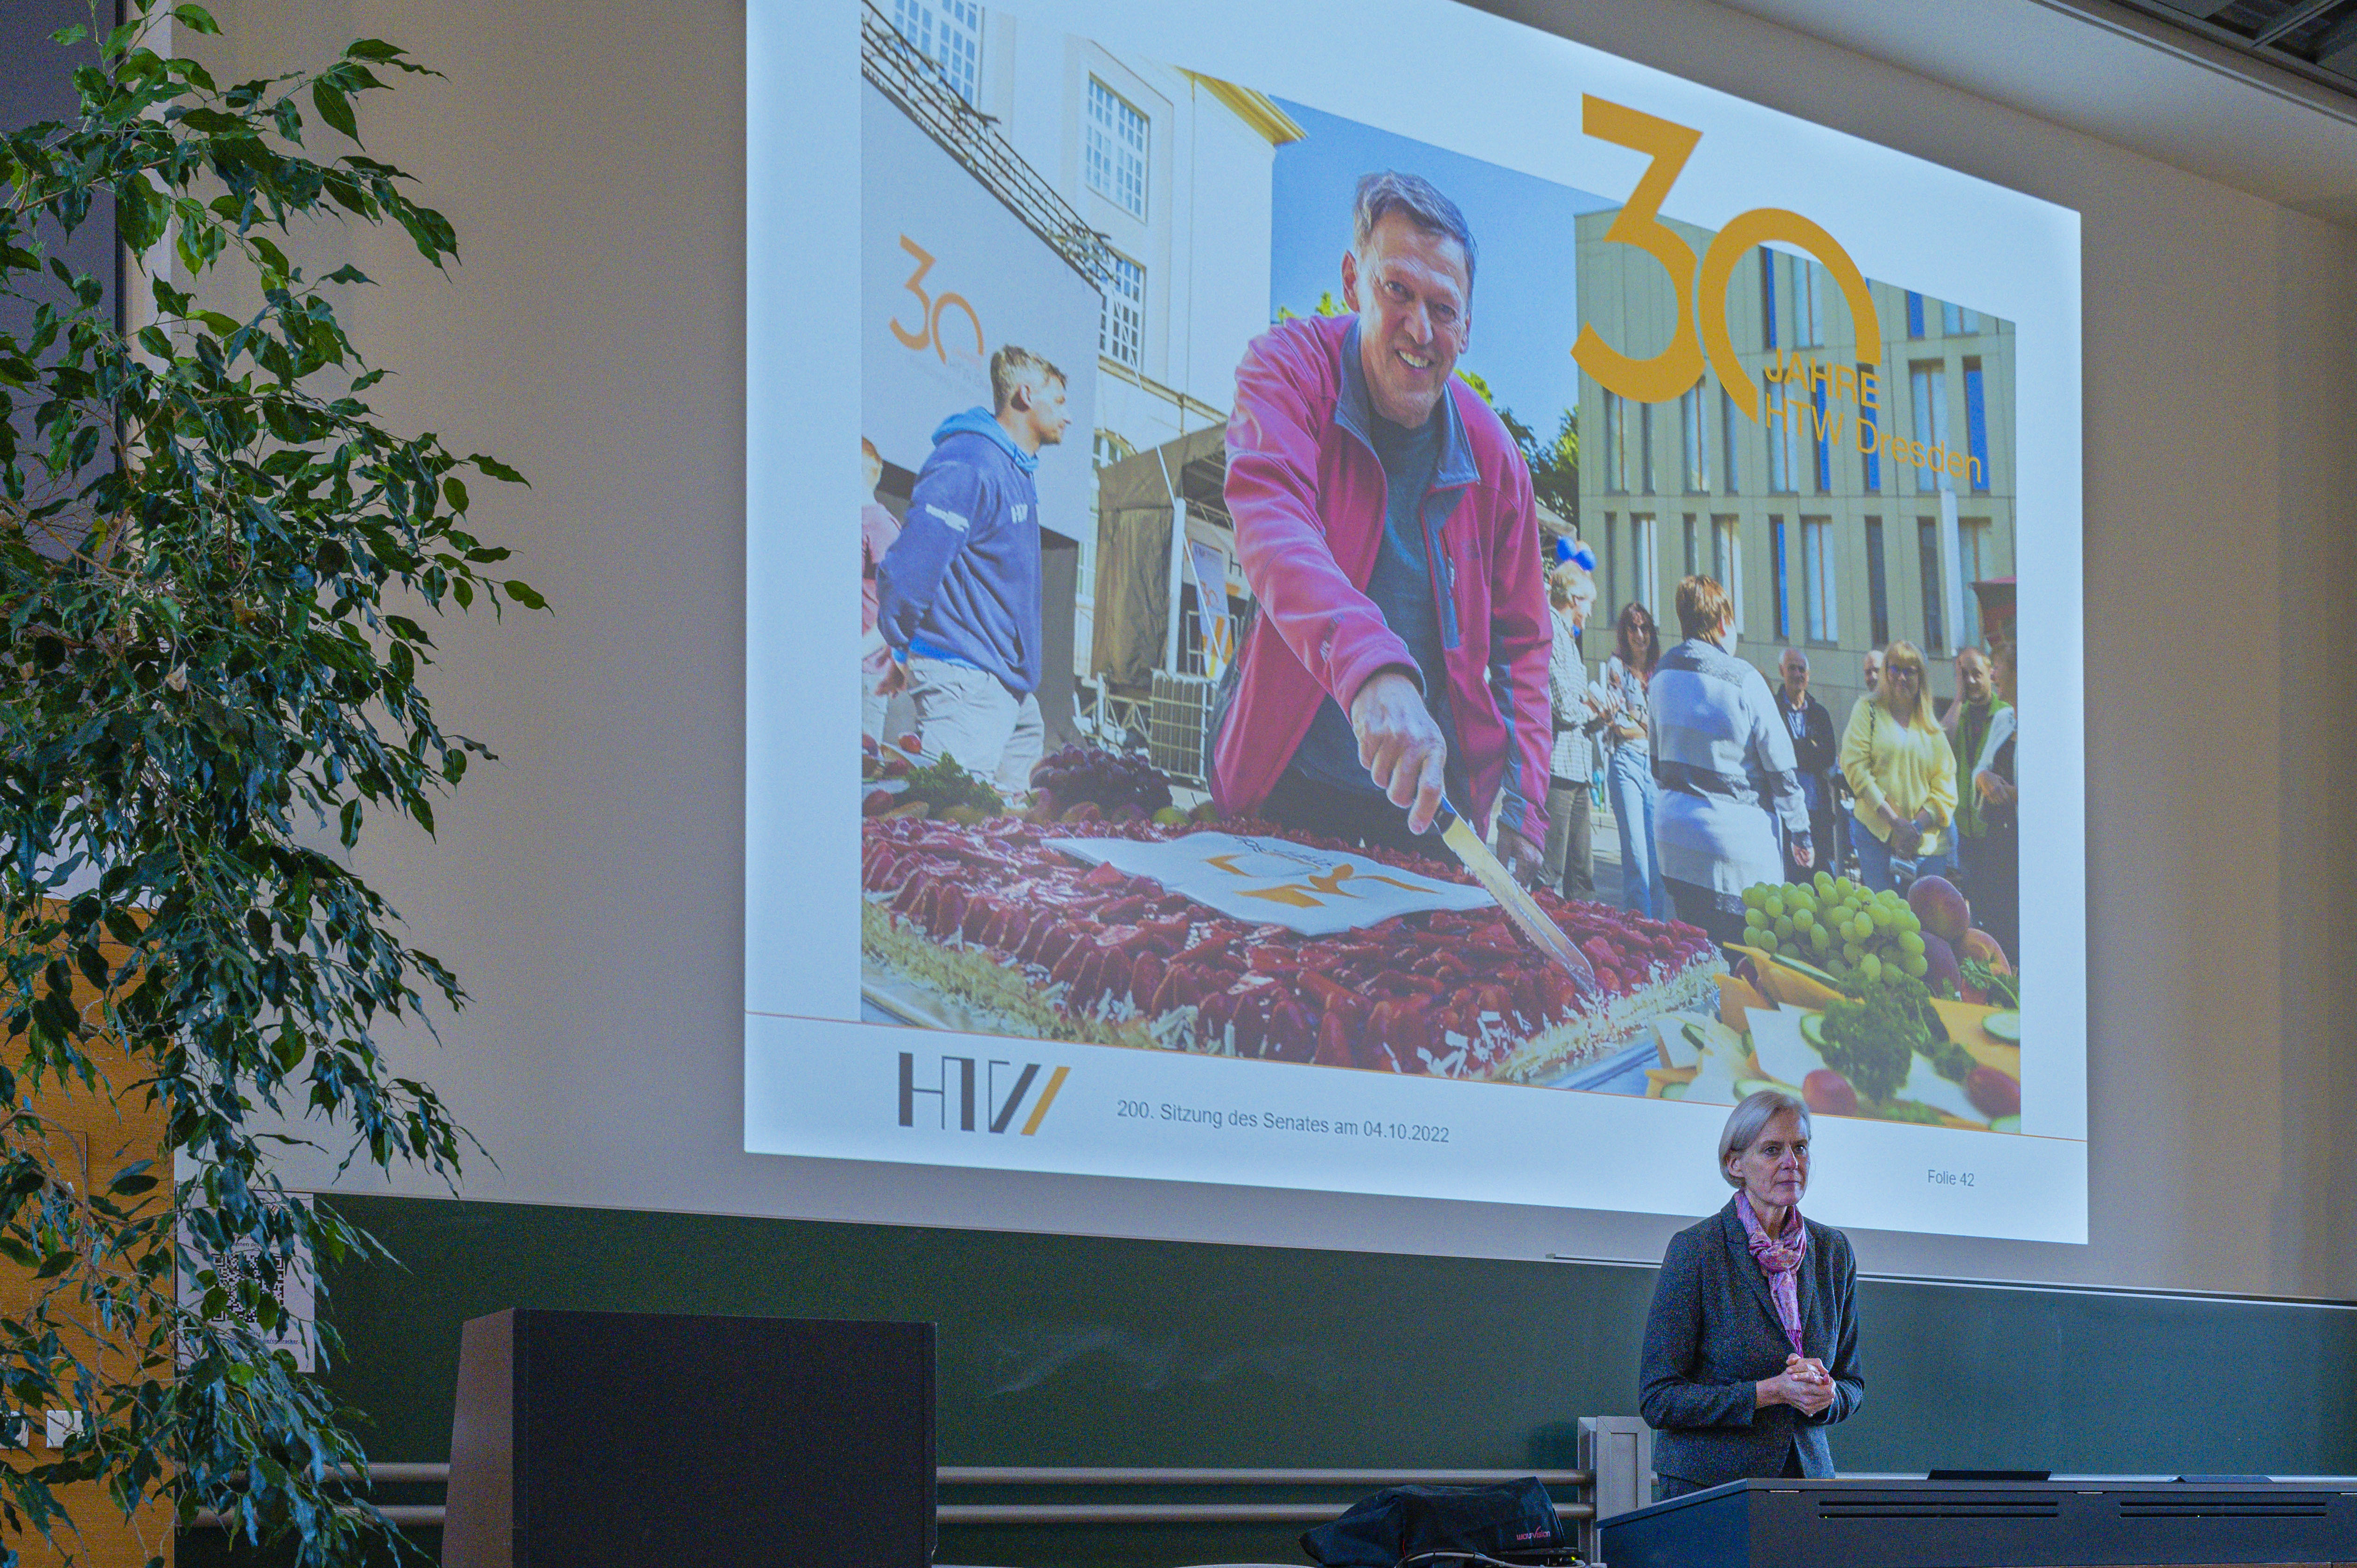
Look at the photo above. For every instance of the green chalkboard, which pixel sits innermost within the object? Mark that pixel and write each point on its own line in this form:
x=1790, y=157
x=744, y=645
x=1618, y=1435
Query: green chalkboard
x=1085, y=1350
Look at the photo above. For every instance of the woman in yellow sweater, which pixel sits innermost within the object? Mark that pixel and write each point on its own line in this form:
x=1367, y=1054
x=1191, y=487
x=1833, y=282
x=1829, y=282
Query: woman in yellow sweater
x=1903, y=772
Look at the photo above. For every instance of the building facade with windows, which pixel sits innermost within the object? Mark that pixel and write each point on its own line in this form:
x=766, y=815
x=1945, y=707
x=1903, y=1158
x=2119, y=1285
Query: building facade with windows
x=1825, y=547
x=1175, y=170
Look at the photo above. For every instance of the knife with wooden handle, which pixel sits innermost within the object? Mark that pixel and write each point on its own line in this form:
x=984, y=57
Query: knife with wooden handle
x=1458, y=833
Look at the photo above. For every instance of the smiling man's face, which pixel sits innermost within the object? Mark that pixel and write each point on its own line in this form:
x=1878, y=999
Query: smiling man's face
x=1414, y=299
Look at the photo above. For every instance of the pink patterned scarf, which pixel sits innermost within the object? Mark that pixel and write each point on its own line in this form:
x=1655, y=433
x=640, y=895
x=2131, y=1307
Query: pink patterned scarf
x=1779, y=1258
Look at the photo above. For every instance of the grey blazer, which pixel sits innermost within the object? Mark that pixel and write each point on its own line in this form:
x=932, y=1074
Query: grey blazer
x=1712, y=1333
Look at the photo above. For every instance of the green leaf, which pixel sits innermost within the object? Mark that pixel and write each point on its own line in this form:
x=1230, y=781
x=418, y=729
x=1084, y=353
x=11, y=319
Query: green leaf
x=335, y=108
x=455, y=493
x=496, y=469
x=133, y=1180
x=196, y=19
x=524, y=594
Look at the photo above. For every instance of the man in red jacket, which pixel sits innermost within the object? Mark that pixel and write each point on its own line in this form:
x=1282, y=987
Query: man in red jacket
x=1383, y=518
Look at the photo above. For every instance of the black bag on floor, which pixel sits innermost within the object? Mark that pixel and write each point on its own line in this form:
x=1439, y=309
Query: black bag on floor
x=1515, y=1520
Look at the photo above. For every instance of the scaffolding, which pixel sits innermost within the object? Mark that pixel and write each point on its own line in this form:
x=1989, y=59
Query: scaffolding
x=915, y=85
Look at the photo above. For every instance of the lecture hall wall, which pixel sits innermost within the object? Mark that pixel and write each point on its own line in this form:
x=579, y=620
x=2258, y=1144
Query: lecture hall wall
x=587, y=886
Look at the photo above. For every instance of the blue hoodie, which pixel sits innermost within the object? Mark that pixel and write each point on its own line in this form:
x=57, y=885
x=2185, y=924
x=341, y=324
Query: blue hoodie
x=962, y=583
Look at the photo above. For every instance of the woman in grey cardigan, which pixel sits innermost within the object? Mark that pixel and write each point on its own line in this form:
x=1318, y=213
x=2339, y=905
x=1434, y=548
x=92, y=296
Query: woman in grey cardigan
x=1752, y=1344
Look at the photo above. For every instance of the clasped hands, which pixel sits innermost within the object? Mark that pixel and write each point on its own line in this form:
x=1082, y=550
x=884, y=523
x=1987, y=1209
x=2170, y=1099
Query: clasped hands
x=1907, y=833
x=1804, y=1384
x=1402, y=749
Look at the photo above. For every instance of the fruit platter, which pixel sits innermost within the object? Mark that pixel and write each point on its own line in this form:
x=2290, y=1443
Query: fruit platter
x=1858, y=1002
x=977, y=920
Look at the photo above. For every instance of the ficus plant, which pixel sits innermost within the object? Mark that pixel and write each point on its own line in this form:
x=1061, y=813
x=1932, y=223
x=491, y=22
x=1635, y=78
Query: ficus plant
x=216, y=561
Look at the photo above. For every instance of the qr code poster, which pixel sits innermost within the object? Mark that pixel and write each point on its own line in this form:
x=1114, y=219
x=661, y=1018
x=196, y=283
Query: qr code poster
x=294, y=1289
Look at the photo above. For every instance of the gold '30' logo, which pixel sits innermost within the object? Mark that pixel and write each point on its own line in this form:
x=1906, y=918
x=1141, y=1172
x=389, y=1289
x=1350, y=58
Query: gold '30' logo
x=1671, y=372
x=927, y=332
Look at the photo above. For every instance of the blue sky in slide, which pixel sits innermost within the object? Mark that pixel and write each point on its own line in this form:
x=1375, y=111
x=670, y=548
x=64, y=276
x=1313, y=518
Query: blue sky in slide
x=1526, y=306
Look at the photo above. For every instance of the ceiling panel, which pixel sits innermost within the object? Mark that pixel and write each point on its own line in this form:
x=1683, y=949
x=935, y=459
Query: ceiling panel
x=2155, y=76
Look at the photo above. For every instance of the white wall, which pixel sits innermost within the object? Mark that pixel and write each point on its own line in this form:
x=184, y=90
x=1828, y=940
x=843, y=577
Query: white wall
x=587, y=887
x=1229, y=192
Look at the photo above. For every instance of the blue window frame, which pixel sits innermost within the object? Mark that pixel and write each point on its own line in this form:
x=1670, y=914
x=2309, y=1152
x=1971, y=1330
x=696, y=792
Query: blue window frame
x=1929, y=382
x=1976, y=425
x=1824, y=443
x=1616, y=444
x=1766, y=298
x=1116, y=148
x=1914, y=314
x=1927, y=547
x=1869, y=421
x=1878, y=591
x=949, y=34
x=1783, y=579
x=1613, y=563
x=1730, y=451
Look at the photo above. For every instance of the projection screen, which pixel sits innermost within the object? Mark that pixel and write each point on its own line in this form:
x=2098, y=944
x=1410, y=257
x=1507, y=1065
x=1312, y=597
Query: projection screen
x=1192, y=374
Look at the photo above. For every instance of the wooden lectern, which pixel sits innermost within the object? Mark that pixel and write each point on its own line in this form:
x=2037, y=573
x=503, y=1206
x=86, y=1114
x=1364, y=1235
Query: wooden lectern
x=630, y=1440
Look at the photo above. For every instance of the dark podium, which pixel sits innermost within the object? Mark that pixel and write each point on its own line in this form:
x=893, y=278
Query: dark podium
x=618, y=1440
x=1795, y=1523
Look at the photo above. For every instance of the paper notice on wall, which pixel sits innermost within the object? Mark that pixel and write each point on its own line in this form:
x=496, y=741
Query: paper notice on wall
x=1274, y=882
x=290, y=1283
x=1212, y=604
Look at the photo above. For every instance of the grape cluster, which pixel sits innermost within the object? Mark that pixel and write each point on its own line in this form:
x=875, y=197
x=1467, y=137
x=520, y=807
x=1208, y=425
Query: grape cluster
x=1104, y=779
x=1856, y=935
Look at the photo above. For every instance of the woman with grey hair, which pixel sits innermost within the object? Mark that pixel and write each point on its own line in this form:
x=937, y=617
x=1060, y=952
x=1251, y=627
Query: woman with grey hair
x=1752, y=1344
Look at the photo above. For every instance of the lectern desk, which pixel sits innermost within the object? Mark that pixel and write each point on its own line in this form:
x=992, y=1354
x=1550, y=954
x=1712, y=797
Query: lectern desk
x=2086, y=1524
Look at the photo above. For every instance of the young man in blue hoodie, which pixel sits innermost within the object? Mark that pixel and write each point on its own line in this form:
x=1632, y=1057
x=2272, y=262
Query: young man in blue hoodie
x=958, y=594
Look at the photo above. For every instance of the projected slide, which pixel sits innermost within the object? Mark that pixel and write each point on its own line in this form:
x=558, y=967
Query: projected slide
x=1250, y=428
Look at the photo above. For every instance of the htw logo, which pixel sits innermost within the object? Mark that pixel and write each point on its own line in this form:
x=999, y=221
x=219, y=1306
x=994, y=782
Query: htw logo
x=970, y=1081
